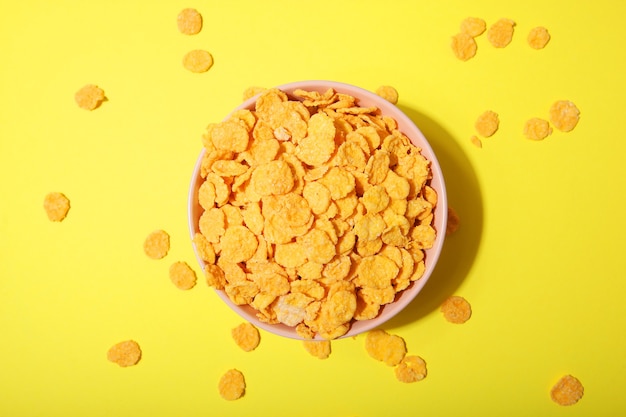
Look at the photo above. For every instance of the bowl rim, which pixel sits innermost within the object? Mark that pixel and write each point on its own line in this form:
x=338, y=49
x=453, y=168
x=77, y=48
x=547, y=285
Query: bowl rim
x=440, y=219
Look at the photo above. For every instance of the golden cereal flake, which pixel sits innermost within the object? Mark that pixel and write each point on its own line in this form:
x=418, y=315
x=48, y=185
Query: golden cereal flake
x=56, y=206
x=475, y=140
x=126, y=353
x=252, y=91
x=456, y=309
x=319, y=144
x=89, y=97
x=189, y=21
x=318, y=247
x=564, y=115
x=198, y=60
x=487, y=123
x=463, y=46
x=385, y=347
x=290, y=309
x=157, y=244
x=537, y=129
x=567, y=391
x=272, y=178
x=411, y=369
x=204, y=248
x=538, y=37
x=246, y=336
x=232, y=385
x=318, y=348
x=500, y=33
x=473, y=26
x=182, y=276
x=238, y=244
x=212, y=224
x=388, y=93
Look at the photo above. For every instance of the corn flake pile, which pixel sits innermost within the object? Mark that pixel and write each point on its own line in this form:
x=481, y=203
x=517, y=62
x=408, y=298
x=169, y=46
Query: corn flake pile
x=316, y=211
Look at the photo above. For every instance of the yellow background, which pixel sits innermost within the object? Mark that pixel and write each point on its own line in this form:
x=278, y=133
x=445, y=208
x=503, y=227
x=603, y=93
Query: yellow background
x=539, y=253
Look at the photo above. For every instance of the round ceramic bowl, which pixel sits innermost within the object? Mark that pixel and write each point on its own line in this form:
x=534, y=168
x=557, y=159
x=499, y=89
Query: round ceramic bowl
x=364, y=98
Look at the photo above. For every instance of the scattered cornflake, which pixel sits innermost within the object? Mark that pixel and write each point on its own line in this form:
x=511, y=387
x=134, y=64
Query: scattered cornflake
x=246, y=336
x=464, y=46
x=538, y=37
x=157, y=244
x=411, y=369
x=89, y=97
x=456, y=309
x=232, y=385
x=487, y=123
x=198, y=60
x=500, y=33
x=318, y=348
x=56, y=206
x=182, y=276
x=453, y=221
x=476, y=141
x=304, y=196
x=388, y=93
x=126, y=353
x=537, y=129
x=564, y=115
x=567, y=391
x=252, y=91
x=385, y=347
x=189, y=21
x=473, y=26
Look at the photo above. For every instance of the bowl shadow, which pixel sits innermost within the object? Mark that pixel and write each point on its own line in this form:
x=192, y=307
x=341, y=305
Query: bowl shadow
x=460, y=248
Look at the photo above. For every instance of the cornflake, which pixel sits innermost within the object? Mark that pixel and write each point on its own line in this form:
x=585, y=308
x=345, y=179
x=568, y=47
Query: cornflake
x=182, y=276
x=385, y=347
x=315, y=211
x=126, y=353
x=198, y=60
x=318, y=348
x=464, y=46
x=89, y=97
x=252, y=91
x=189, y=21
x=537, y=129
x=567, y=391
x=487, y=123
x=246, y=336
x=388, y=93
x=538, y=37
x=56, y=205
x=564, y=115
x=475, y=140
x=411, y=369
x=456, y=309
x=232, y=385
x=500, y=33
x=473, y=26
x=157, y=244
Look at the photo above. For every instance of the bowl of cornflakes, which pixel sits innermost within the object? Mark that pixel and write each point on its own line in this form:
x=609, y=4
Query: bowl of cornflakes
x=317, y=210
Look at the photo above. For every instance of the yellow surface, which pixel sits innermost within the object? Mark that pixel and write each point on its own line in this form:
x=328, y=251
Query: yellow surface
x=539, y=253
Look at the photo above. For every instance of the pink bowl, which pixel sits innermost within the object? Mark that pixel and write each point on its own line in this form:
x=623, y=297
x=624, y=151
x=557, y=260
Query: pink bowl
x=406, y=126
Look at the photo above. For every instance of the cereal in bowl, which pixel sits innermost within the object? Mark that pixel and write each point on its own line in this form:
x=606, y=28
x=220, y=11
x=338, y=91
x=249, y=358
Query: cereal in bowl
x=303, y=197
